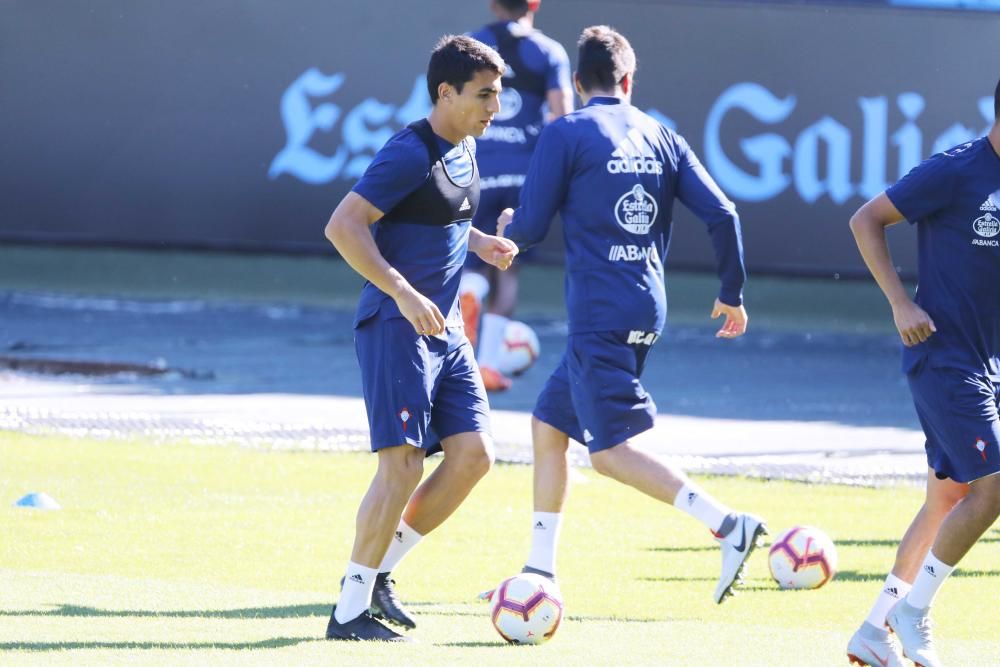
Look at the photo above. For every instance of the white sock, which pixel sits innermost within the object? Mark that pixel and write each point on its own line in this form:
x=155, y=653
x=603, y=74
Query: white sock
x=929, y=579
x=544, y=539
x=404, y=539
x=491, y=338
x=356, y=595
x=703, y=507
x=893, y=591
x=475, y=283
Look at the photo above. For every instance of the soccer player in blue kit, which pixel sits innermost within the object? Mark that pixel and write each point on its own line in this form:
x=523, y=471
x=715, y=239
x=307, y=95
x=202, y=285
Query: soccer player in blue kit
x=613, y=173
x=537, y=78
x=951, y=357
x=420, y=193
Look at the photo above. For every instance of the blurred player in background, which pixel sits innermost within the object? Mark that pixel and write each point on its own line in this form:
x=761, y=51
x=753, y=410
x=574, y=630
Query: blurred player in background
x=951, y=357
x=613, y=174
x=537, y=78
x=417, y=366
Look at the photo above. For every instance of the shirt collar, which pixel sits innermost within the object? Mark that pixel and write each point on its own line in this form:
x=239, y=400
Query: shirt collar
x=601, y=99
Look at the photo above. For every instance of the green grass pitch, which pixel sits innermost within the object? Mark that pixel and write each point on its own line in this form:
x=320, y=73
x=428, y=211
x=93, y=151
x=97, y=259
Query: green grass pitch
x=213, y=555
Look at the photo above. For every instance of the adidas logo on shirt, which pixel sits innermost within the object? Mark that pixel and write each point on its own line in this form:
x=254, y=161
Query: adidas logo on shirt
x=633, y=155
x=988, y=205
x=465, y=205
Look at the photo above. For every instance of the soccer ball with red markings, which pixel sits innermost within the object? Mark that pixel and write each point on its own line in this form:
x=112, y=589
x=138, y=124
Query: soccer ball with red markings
x=518, y=349
x=803, y=557
x=526, y=609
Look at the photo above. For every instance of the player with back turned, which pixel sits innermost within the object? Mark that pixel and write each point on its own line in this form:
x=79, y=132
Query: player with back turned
x=613, y=173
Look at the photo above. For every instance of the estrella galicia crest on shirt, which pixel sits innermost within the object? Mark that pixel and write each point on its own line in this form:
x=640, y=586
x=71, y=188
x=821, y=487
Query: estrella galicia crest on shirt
x=636, y=210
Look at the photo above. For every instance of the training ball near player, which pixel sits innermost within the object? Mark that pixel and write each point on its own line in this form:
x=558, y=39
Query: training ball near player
x=519, y=350
x=526, y=609
x=802, y=557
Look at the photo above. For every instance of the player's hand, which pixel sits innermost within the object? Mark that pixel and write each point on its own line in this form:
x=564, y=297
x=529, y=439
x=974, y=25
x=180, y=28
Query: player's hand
x=496, y=251
x=421, y=312
x=504, y=219
x=913, y=323
x=736, y=320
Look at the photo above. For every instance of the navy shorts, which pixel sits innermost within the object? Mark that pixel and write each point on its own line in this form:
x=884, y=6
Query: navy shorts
x=413, y=384
x=958, y=411
x=595, y=396
x=491, y=202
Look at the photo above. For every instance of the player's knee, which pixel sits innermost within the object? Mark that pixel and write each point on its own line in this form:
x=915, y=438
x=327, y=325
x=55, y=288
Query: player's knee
x=474, y=459
x=986, y=493
x=603, y=462
x=402, y=468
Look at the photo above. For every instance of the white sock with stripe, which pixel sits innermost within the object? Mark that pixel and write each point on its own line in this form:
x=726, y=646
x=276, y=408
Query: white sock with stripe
x=893, y=591
x=404, y=539
x=356, y=596
x=544, y=540
x=932, y=574
x=692, y=500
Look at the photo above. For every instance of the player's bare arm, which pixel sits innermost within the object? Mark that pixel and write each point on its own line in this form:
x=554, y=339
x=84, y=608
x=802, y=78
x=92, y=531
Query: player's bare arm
x=736, y=320
x=868, y=226
x=493, y=250
x=560, y=103
x=349, y=234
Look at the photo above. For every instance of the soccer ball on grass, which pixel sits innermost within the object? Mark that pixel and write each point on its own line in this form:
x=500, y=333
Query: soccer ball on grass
x=526, y=609
x=802, y=557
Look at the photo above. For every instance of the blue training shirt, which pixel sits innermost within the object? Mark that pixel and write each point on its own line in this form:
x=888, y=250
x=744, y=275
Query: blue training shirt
x=505, y=149
x=954, y=199
x=429, y=257
x=612, y=172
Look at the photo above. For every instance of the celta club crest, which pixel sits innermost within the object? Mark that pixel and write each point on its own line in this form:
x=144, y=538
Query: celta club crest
x=636, y=210
x=987, y=225
x=404, y=416
x=981, y=447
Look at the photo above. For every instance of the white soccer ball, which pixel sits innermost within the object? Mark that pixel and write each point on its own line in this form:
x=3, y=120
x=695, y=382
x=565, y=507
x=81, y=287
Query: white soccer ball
x=518, y=349
x=526, y=609
x=803, y=557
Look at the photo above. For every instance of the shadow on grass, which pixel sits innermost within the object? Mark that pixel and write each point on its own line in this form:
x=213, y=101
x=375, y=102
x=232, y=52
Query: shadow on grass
x=277, y=642
x=895, y=542
x=713, y=547
x=292, y=611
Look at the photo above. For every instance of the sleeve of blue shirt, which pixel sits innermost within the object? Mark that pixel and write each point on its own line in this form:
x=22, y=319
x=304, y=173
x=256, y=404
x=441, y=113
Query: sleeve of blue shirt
x=697, y=190
x=928, y=188
x=544, y=189
x=558, y=75
x=399, y=168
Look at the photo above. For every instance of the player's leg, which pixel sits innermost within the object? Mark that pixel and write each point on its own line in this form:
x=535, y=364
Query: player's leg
x=467, y=459
x=396, y=367
x=551, y=488
x=553, y=423
x=872, y=644
x=738, y=533
x=959, y=412
x=613, y=406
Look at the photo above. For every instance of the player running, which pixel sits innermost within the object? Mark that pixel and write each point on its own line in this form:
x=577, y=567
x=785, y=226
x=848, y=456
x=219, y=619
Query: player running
x=536, y=80
x=613, y=173
x=951, y=357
